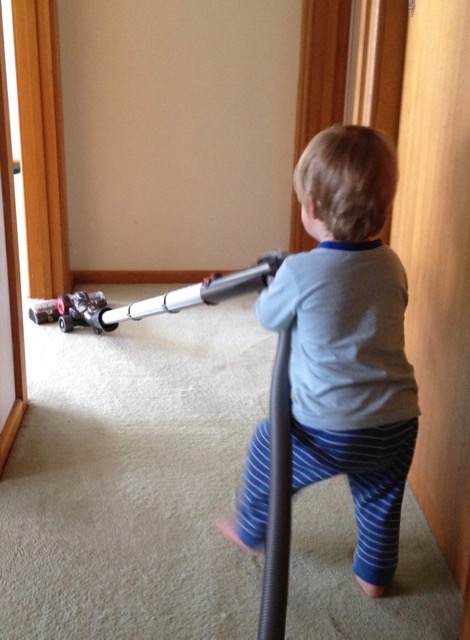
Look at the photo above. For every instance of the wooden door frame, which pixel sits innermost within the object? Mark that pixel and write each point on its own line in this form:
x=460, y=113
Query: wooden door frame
x=382, y=27
x=333, y=72
x=10, y=428
x=36, y=35
x=321, y=87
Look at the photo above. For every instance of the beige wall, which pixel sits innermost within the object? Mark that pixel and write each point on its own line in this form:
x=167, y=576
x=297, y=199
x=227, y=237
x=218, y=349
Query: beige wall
x=179, y=130
x=431, y=231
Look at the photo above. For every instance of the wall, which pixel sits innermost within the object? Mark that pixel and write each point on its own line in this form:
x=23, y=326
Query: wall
x=431, y=232
x=179, y=130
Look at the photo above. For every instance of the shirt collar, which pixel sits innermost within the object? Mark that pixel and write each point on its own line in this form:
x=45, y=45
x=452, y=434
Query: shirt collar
x=350, y=246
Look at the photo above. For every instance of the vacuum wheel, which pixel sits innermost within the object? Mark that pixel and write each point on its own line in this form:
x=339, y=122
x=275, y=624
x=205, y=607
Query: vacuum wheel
x=63, y=303
x=66, y=324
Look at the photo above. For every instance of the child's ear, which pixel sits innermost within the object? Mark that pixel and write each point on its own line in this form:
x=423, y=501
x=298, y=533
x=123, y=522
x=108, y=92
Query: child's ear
x=311, y=207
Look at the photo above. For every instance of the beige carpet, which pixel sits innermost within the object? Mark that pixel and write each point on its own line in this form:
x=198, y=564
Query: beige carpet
x=132, y=442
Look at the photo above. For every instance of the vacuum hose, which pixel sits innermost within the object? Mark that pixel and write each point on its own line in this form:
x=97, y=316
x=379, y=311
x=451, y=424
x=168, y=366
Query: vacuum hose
x=273, y=612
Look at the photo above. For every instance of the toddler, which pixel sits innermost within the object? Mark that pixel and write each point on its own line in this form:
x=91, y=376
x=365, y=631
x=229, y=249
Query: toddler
x=354, y=395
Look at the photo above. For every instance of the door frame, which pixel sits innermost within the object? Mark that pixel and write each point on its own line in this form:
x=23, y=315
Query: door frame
x=37, y=52
x=10, y=428
x=324, y=44
x=351, y=69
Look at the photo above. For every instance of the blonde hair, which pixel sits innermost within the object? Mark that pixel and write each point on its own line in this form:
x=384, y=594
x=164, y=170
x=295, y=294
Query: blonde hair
x=351, y=173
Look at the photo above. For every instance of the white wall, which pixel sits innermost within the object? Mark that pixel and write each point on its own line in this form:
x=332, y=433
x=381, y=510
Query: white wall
x=179, y=130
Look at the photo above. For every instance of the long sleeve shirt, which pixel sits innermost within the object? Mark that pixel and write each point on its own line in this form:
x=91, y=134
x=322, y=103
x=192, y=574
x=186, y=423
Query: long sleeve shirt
x=346, y=305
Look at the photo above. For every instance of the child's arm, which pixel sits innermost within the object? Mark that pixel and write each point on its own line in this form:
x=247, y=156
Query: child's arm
x=275, y=308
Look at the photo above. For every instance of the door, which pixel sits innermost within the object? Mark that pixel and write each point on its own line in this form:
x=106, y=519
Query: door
x=351, y=70
x=431, y=233
x=36, y=34
x=322, y=84
x=13, y=398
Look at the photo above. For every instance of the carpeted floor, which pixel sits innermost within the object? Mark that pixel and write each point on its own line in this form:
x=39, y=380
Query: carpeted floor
x=133, y=441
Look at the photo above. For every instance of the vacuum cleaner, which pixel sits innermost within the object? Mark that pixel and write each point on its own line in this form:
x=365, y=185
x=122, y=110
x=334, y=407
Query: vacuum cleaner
x=90, y=309
x=81, y=309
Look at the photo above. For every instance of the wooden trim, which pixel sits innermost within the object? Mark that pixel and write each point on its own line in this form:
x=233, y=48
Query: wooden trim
x=11, y=234
x=364, y=89
x=9, y=431
x=383, y=78
x=140, y=277
x=54, y=145
x=390, y=25
x=322, y=84
x=376, y=74
x=358, y=63
x=32, y=144
x=35, y=26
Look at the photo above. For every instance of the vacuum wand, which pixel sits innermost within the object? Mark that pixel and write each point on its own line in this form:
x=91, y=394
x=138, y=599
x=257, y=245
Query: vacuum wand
x=212, y=290
x=82, y=309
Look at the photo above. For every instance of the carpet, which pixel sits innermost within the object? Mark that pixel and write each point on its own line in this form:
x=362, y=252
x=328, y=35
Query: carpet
x=133, y=441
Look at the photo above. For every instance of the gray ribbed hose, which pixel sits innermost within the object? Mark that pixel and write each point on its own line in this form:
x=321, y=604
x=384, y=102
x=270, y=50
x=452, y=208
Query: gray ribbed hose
x=272, y=621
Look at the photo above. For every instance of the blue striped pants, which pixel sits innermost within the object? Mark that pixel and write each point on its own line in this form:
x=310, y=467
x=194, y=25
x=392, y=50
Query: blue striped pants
x=376, y=462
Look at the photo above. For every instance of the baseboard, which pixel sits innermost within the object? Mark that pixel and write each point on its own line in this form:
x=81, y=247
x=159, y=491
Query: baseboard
x=139, y=277
x=9, y=431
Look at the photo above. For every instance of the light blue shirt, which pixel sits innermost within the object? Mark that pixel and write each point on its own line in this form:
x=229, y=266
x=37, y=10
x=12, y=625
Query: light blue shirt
x=346, y=304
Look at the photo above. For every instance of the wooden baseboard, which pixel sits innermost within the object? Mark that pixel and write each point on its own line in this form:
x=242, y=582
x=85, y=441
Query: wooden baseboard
x=9, y=431
x=139, y=277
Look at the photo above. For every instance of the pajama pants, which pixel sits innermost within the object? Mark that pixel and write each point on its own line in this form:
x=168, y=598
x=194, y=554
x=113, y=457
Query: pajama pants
x=376, y=462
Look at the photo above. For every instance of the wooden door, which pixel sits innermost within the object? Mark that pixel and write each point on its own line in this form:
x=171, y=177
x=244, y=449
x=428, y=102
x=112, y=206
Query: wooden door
x=351, y=70
x=322, y=84
x=35, y=24
x=13, y=398
x=431, y=233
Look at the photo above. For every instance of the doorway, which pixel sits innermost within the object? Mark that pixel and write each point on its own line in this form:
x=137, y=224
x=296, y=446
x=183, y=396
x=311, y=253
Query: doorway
x=15, y=142
x=351, y=70
x=36, y=47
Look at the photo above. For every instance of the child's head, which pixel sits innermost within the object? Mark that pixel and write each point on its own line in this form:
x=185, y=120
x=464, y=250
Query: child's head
x=350, y=173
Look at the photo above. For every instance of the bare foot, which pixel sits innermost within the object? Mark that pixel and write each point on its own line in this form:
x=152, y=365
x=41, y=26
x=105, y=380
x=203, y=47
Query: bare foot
x=372, y=590
x=226, y=525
